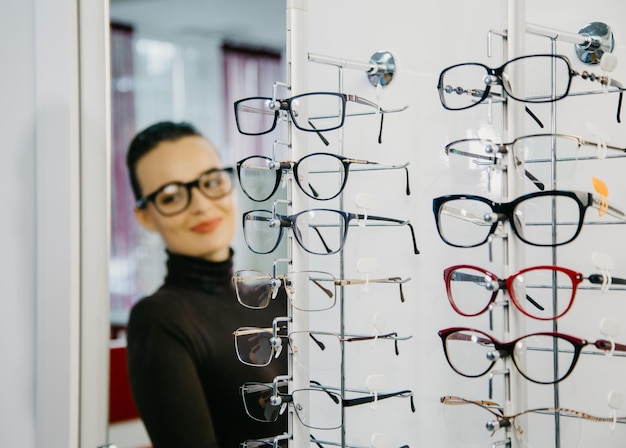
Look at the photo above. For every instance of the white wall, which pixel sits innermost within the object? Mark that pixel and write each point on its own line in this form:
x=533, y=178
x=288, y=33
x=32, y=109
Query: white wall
x=17, y=320
x=54, y=251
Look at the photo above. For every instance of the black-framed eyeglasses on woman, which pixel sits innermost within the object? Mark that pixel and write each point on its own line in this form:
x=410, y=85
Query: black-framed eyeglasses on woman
x=539, y=292
x=472, y=353
x=319, y=175
x=547, y=78
x=469, y=221
x=174, y=197
x=318, y=231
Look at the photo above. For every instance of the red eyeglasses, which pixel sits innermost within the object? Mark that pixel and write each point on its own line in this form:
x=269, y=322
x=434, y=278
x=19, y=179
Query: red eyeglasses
x=539, y=292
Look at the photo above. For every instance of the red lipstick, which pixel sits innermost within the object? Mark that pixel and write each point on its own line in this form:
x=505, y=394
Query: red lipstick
x=206, y=226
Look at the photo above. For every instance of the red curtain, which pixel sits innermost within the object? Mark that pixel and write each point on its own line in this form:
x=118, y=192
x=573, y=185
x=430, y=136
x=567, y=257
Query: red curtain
x=123, y=283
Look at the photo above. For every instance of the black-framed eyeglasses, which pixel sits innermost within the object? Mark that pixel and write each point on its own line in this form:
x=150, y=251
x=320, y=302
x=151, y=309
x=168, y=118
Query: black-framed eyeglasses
x=311, y=112
x=256, y=289
x=547, y=78
x=532, y=156
x=498, y=419
x=539, y=292
x=319, y=175
x=472, y=353
x=470, y=221
x=256, y=346
x=263, y=403
x=318, y=231
x=173, y=198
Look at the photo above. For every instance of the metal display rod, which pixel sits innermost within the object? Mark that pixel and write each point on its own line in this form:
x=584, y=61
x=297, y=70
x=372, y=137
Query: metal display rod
x=380, y=69
x=592, y=41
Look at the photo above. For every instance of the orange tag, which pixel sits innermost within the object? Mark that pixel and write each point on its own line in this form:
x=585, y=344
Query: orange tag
x=603, y=191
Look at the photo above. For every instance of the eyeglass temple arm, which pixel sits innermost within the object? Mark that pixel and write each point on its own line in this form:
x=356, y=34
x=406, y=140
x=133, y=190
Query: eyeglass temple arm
x=599, y=279
x=397, y=221
x=383, y=167
x=318, y=385
x=398, y=280
x=359, y=100
x=600, y=204
x=609, y=346
x=480, y=93
x=369, y=399
x=605, y=80
x=319, y=134
x=540, y=185
x=394, y=336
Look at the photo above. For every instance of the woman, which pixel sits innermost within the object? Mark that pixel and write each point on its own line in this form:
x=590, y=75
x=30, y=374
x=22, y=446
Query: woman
x=183, y=369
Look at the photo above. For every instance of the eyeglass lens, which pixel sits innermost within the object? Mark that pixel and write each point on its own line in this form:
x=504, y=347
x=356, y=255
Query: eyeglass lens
x=255, y=348
x=320, y=176
x=256, y=289
x=542, y=292
x=318, y=231
x=468, y=222
x=471, y=353
x=472, y=160
x=175, y=197
x=312, y=112
x=326, y=405
x=546, y=78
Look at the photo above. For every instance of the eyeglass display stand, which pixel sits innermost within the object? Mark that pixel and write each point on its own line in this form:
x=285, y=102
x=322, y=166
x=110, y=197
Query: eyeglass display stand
x=380, y=69
x=297, y=44
x=592, y=41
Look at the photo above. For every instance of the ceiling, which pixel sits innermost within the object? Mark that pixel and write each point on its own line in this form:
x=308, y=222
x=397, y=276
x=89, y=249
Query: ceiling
x=254, y=22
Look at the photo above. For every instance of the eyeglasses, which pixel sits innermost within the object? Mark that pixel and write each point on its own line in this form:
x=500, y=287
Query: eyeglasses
x=259, y=115
x=318, y=231
x=547, y=78
x=173, y=198
x=500, y=420
x=532, y=155
x=255, y=289
x=264, y=404
x=273, y=442
x=472, y=353
x=322, y=350
x=320, y=175
x=257, y=346
x=469, y=221
x=540, y=292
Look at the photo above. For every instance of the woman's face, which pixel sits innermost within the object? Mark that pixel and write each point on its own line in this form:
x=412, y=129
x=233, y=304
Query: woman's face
x=206, y=227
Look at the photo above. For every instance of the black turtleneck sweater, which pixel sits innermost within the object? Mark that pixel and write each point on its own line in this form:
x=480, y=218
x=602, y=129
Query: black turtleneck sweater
x=183, y=368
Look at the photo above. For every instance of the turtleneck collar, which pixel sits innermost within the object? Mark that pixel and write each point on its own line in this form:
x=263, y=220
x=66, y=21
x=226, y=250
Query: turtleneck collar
x=197, y=273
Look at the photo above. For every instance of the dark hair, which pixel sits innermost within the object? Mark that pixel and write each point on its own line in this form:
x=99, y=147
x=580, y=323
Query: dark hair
x=146, y=140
